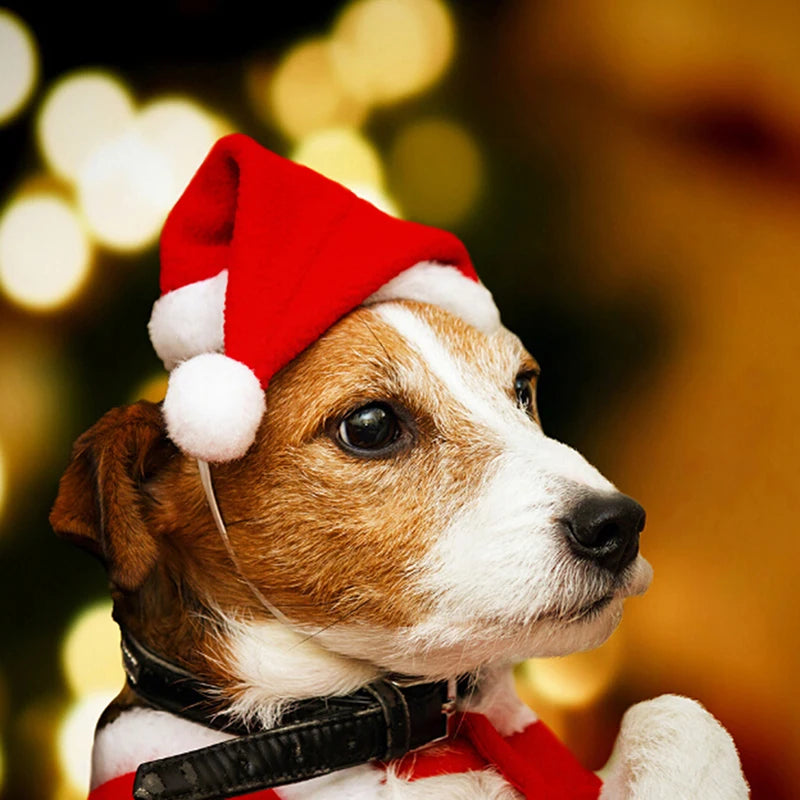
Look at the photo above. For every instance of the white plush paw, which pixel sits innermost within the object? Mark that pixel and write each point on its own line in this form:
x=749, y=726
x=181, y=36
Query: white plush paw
x=671, y=748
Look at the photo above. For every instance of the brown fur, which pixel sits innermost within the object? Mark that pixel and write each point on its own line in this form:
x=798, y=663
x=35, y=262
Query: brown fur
x=324, y=534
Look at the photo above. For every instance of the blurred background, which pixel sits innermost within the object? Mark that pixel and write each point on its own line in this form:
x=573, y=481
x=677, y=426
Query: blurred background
x=626, y=175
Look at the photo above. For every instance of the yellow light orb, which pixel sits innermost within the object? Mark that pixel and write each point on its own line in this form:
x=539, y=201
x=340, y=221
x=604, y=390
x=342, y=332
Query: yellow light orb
x=75, y=736
x=385, y=50
x=81, y=112
x=65, y=791
x=34, y=402
x=44, y=252
x=90, y=653
x=437, y=171
x=574, y=681
x=125, y=189
x=19, y=65
x=183, y=132
x=378, y=197
x=153, y=388
x=305, y=94
x=342, y=155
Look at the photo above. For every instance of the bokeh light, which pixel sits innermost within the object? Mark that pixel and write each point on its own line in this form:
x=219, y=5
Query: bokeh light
x=153, y=388
x=574, y=681
x=124, y=190
x=378, y=197
x=90, y=660
x=35, y=399
x=386, y=50
x=75, y=737
x=90, y=653
x=65, y=791
x=437, y=171
x=182, y=131
x=128, y=184
x=19, y=65
x=44, y=252
x=81, y=112
x=306, y=95
x=346, y=156
x=342, y=155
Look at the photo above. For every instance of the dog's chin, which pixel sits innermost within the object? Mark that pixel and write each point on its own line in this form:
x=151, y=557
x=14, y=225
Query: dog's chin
x=444, y=646
x=467, y=646
x=635, y=580
x=589, y=624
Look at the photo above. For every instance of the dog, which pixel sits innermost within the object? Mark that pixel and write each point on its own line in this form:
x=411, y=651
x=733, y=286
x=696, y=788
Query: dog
x=399, y=520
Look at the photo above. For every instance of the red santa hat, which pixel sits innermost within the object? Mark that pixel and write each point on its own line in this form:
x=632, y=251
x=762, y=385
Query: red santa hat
x=259, y=257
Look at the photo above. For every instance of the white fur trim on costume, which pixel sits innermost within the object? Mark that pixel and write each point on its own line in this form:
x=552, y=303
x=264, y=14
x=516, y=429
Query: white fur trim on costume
x=188, y=321
x=213, y=407
x=369, y=782
x=144, y=734
x=446, y=287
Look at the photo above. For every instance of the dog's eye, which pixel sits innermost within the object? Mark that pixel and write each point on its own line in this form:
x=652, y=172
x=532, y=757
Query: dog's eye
x=370, y=427
x=523, y=389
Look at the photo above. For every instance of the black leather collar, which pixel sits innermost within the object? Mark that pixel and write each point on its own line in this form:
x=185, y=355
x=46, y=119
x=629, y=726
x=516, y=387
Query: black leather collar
x=381, y=721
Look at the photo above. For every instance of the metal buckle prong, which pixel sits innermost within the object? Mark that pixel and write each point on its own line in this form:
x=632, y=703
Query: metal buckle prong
x=448, y=708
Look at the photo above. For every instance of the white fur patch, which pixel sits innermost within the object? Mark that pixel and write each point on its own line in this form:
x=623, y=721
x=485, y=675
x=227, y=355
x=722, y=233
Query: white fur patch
x=275, y=665
x=672, y=747
x=142, y=734
x=446, y=287
x=188, y=321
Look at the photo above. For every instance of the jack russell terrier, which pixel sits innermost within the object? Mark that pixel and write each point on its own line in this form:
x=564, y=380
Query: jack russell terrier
x=345, y=524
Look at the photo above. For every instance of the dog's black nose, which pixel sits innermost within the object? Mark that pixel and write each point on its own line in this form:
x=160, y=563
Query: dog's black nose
x=605, y=528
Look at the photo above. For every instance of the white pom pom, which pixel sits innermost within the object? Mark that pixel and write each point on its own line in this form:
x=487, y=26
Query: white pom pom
x=188, y=321
x=213, y=407
x=446, y=287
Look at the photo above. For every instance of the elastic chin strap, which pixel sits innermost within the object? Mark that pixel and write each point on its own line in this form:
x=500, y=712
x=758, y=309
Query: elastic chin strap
x=211, y=498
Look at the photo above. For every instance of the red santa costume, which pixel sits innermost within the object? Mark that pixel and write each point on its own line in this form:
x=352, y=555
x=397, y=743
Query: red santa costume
x=534, y=761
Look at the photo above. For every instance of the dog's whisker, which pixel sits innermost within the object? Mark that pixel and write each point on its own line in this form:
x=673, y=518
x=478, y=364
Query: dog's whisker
x=246, y=521
x=377, y=339
x=332, y=624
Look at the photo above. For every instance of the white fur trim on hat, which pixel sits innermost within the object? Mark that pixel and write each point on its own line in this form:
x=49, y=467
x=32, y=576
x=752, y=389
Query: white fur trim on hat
x=446, y=287
x=190, y=320
x=213, y=407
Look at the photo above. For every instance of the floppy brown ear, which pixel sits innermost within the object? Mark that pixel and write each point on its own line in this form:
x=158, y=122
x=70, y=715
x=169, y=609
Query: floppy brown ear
x=101, y=504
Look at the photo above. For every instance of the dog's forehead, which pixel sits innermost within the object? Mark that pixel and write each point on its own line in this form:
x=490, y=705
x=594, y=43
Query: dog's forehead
x=454, y=352
x=405, y=350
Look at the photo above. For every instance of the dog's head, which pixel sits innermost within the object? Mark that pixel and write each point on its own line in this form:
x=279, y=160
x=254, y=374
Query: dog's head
x=401, y=503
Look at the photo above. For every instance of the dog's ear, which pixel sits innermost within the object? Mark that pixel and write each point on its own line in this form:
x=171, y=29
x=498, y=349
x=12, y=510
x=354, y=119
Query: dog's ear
x=101, y=503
